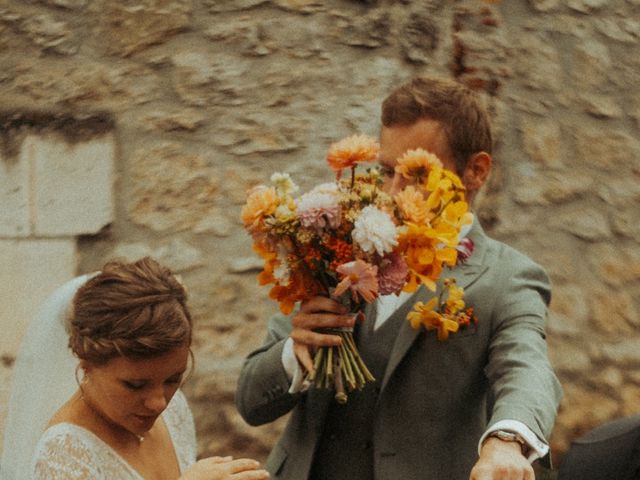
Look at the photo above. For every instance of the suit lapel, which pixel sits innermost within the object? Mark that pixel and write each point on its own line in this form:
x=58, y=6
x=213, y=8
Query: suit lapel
x=464, y=274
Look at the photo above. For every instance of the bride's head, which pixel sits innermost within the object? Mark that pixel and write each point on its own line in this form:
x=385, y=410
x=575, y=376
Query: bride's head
x=133, y=310
x=131, y=329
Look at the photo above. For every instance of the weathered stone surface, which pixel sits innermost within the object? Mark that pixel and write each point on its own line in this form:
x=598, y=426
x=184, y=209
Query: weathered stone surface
x=592, y=65
x=200, y=78
x=607, y=150
x=186, y=120
x=14, y=197
x=49, y=33
x=420, y=37
x=217, y=6
x=531, y=50
x=568, y=358
x=613, y=312
x=586, y=224
x=171, y=190
x=131, y=27
x=630, y=400
x=70, y=4
x=601, y=106
x=31, y=270
x=545, y=5
x=73, y=184
x=582, y=409
x=586, y=6
x=248, y=264
x=614, y=265
x=542, y=140
x=370, y=31
x=569, y=311
x=179, y=256
x=626, y=30
x=624, y=354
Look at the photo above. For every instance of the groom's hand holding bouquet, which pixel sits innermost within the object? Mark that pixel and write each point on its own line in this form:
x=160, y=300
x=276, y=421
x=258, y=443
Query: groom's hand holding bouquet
x=345, y=243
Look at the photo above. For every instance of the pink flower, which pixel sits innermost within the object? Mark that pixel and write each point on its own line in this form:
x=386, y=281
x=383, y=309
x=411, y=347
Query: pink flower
x=360, y=278
x=392, y=276
x=318, y=210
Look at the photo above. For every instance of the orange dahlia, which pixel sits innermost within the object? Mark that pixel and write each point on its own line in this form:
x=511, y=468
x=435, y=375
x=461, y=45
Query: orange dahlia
x=352, y=150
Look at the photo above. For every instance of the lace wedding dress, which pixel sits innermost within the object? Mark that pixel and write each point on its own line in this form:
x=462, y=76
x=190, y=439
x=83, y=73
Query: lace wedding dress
x=44, y=379
x=66, y=451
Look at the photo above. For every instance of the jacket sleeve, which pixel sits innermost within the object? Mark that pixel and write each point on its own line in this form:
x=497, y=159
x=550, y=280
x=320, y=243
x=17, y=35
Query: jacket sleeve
x=262, y=394
x=523, y=384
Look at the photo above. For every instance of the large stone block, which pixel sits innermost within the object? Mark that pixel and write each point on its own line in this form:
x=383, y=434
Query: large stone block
x=72, y=184
x=31, y=270
x=14, y=197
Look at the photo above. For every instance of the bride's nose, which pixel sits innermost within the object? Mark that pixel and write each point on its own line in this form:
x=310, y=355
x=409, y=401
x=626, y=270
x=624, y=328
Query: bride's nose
x=156, y=401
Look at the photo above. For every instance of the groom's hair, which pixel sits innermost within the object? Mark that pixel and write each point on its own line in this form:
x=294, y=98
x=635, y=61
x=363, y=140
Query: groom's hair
x=134, y=310
x=459, y=109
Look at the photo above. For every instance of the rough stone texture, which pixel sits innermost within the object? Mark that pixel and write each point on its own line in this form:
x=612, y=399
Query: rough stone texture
x=14, y=197
x=72, y=185
x=31, y=269
x=128, y=27
x=208, y=97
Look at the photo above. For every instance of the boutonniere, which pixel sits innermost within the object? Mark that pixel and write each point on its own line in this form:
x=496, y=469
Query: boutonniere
x=446, y=313
x=465, y=249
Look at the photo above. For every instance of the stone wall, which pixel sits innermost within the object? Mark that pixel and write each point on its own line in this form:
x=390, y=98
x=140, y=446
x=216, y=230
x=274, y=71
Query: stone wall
x=133, y=128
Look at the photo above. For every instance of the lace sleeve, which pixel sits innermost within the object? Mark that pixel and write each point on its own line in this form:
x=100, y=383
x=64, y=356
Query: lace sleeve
x=179, y=420
x=62, y=455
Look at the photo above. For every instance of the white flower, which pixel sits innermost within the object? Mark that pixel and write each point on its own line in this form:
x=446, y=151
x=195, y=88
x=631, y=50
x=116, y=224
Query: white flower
x=374, y=230
x=283, y=183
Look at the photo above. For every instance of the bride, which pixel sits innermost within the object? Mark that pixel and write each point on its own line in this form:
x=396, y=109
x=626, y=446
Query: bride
x=123, y=416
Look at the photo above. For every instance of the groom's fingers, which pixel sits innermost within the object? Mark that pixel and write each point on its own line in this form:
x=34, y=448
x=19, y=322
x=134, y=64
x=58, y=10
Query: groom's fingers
x=303, y=355
x=309, y=337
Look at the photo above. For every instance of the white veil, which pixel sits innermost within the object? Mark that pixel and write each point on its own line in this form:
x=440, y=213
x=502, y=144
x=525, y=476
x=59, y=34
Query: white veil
x=44, y=378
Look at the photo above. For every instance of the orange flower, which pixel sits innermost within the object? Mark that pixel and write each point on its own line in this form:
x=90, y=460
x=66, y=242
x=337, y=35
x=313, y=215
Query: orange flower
x=412, y=205
x=352, y=150
x=424, y=253
x=416, y=164
x=261, y=202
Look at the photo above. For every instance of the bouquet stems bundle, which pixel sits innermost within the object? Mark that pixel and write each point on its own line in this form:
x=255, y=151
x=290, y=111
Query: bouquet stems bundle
x=340, y=367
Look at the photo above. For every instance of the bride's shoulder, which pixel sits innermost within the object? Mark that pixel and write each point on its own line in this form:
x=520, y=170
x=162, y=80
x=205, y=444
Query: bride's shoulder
x=65, y=447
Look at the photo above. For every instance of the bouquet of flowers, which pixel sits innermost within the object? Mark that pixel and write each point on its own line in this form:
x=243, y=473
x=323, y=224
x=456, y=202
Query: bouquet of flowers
x=350, y=240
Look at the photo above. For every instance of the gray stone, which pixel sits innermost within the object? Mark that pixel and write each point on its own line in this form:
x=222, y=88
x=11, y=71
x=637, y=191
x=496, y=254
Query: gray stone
x=542, y=141
x=50, y=34
x=586, y=224
x=601, y=106
x=369, y=31
x=606, y=150
x=545, y=5
x=15, y=215
x=586, y=6
x=592, y=65
x=537, y=63
x=132, y=27
x=70, y=4
x=218, y=6
x=171, y=189
x=179, y=256
x=625, y=30
x=614, y=312
x=419, y=39
x=624, y=354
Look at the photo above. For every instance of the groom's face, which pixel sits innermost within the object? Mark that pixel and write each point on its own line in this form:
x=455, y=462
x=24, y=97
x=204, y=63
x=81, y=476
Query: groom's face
x=395, y=141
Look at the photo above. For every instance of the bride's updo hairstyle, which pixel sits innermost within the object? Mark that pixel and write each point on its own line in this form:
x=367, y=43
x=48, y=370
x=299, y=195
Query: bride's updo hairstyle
x=134, y=310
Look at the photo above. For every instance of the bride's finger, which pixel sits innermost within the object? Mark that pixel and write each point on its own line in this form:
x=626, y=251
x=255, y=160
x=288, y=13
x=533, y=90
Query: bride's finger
x=221, y=459
x=251, y=475
x=243, y=464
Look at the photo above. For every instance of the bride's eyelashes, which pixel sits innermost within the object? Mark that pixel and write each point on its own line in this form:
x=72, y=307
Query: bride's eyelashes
x=139, y=385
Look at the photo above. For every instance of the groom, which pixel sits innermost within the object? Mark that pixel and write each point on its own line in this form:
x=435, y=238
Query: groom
x=478, y=406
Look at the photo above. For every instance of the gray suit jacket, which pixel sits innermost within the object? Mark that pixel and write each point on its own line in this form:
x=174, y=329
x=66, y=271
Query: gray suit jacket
x=436, y=398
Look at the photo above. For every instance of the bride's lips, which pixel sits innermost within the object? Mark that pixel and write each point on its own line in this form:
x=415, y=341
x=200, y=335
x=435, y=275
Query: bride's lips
x=146, y=418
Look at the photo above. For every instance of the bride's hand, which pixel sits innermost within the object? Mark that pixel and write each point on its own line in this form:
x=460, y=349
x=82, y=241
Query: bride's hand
x=225, y=468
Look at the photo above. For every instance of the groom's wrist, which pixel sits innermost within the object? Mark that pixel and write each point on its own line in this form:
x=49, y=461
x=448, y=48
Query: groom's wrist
x=510, y=437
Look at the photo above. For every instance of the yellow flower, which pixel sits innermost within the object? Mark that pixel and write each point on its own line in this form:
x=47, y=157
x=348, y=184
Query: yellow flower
x=455, y=298
x=262, y=201
x=416, y=164
x=352, y=150
x=412, y=205
x=426, y=314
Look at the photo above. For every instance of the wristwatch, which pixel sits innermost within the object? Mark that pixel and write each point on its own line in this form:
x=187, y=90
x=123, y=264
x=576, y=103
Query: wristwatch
x=511, y=437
